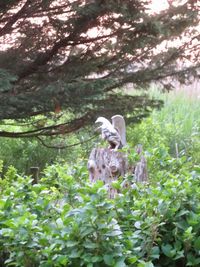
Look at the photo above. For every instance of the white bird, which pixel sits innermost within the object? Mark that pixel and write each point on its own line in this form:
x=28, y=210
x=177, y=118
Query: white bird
x=113, y=133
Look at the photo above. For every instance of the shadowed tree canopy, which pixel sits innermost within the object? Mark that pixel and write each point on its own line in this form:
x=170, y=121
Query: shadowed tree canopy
x=69, y=57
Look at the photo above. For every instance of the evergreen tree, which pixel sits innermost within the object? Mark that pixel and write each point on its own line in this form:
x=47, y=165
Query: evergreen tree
x=72, y=55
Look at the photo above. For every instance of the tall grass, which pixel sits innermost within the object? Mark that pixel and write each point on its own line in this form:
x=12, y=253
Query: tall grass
x=176, y=125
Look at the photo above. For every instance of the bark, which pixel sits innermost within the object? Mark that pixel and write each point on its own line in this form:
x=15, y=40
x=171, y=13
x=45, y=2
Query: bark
x=141, y=174
x=108, y=165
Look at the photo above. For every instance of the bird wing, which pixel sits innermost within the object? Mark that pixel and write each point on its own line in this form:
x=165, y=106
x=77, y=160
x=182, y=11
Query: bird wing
x=118, y=123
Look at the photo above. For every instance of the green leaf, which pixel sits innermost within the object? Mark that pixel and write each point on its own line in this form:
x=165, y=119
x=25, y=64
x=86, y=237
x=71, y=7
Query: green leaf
x=155, y=253
x=71, y=243
x=193, y=219
x=192, y=260
x=116, y=185
x=108, y=259
x=132, y=259
x=75, y=254
x=2, y=203
x=114, y=233
x=179, y=254
x=86, y=231
x=168, y=250
x=145, y=264
x=197, y=243
x=96, y=259
x=62, y=259
x=197, y=169
x=120, y=263
x=89, y=244
x=149, y=264
x=59, y=222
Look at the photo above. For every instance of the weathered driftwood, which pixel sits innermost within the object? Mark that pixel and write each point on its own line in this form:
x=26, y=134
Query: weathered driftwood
x=108, y=165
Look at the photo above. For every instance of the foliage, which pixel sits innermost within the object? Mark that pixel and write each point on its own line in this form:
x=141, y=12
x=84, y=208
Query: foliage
x=71, y=56
x=176, y=123
x=67, y=221
x=176, y=126
x=25, y=153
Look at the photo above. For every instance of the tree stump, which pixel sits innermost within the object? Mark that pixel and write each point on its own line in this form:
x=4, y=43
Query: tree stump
x=108, y=165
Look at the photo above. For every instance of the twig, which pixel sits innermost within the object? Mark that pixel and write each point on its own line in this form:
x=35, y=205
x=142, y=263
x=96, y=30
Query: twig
x=64, y=147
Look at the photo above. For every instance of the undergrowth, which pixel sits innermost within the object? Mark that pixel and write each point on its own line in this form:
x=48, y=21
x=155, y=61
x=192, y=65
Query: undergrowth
x=66, y=221
x=176, y=126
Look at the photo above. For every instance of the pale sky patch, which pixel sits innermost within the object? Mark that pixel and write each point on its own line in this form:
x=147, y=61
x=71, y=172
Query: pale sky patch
x=158, y=5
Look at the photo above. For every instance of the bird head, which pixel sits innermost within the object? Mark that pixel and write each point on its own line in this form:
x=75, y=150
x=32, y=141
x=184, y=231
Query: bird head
x=104, y=123
x=101, y=120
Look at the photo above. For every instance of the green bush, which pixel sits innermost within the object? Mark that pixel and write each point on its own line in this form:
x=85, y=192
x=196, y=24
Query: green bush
x=66, y=221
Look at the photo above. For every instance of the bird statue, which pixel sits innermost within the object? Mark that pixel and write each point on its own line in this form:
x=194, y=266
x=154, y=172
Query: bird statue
x=115, y=133
x=118, y=123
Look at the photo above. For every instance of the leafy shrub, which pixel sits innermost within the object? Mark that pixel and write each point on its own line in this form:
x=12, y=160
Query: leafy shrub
x=66, y=221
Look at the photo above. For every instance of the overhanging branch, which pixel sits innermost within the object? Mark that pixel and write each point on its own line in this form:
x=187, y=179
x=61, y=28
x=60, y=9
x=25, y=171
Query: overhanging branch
x=67, y=146
x=60, y=129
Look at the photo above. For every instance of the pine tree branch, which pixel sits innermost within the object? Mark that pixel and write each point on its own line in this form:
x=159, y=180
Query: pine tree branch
x=59, y=129
x=8, y=26
x=82, y=24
